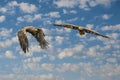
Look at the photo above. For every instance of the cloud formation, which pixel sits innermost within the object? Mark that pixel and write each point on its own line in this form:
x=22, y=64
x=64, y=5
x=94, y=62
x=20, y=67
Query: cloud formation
x=83, y=4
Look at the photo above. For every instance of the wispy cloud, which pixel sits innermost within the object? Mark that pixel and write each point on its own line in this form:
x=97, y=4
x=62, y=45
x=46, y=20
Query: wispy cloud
x=111, y=27
x=29, y=18
x=68, y=52
x=9, y=54
x=5, y=32
x=22, y=7
x=65, y=3
x=8, y=42
x=3, y=9
x=53, y=14
x=28, y=76
x=106, y=16
x=83, y=4
x=27, y=8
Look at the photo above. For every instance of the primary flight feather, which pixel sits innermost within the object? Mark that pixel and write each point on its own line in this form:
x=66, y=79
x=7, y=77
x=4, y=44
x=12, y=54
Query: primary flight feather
x=36, y=32
x=81, y=30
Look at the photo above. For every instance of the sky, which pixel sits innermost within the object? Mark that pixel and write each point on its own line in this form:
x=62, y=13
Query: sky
x=69, y=56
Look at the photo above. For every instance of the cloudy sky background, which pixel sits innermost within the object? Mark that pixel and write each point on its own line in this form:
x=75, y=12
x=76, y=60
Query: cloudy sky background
x=69, y=56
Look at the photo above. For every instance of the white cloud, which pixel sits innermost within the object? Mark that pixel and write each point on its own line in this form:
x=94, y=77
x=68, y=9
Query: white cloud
x=82, y=68
x=73, y=11
x=61, y=30
x=69, y=11
x=27, y=77
x=106, y=71
x=82, y=19
x=33, y=59
x=46, y=77
x=9, y=54
x=27, y=8
x=59, y=21
x=105, y=3
x=64, y=67
x=3, y=10
x=59, y=39
x=72, y=19
x=83, y=4
x=34, y=48
x=89, y=26
x=109, y=71
x=10, y=7
x=113, y=60
x=8, y=42
x=111, y=27
x=65, y=11
x=29, y=18
x=106, y=16
x=97, y=51
x=65, y=3
x=12, y=4
x=23, y=7
x=54, y=14
x=2, y=18
x=47, y=66
x=5, y=32
x=107, y=47
x=37, y=16
x=68, y=52
x=51, y=57
x=92, y=52
x=114, y=35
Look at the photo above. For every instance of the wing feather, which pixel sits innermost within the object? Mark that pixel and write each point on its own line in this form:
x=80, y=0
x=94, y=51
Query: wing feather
x=94, y=32
x=39, y=35
x=67, y=26
x=23, y=41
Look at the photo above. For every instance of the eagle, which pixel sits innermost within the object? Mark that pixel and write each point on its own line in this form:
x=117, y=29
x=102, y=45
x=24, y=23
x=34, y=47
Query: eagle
x=36, y=32
x=82, y=30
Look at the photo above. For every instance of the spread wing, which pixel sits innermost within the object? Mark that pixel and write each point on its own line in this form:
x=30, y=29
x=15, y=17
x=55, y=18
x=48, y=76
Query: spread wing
x=40, y=38
x=81, y=29
x=39, y=35
x=67, y=26
x=23, y=41
x=94, y=32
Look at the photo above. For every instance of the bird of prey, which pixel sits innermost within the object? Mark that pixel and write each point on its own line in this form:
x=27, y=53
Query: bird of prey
x=81, y=30
x=36, y=32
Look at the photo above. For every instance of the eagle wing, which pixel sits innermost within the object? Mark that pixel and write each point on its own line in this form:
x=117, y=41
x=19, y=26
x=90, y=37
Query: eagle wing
x=40, y=38
x=67, y=26
x=39, y=35
x=94, y=32
x=23, y=40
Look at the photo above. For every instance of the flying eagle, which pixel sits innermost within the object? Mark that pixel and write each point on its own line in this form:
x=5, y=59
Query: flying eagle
x=36, y=32
x=81, y=30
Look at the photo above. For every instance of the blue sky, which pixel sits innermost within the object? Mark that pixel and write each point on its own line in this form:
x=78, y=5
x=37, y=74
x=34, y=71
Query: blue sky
x=69, y=56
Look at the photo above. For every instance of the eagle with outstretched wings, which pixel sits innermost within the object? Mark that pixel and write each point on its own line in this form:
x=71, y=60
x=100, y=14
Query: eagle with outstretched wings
x=81, y=30
x=36, y=32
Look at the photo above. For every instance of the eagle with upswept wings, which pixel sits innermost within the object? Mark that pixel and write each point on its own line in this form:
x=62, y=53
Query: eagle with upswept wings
x=36, y=32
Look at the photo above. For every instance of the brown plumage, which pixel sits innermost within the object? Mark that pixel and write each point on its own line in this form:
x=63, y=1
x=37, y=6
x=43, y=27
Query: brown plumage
x=36, y=32
x=81, y=30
